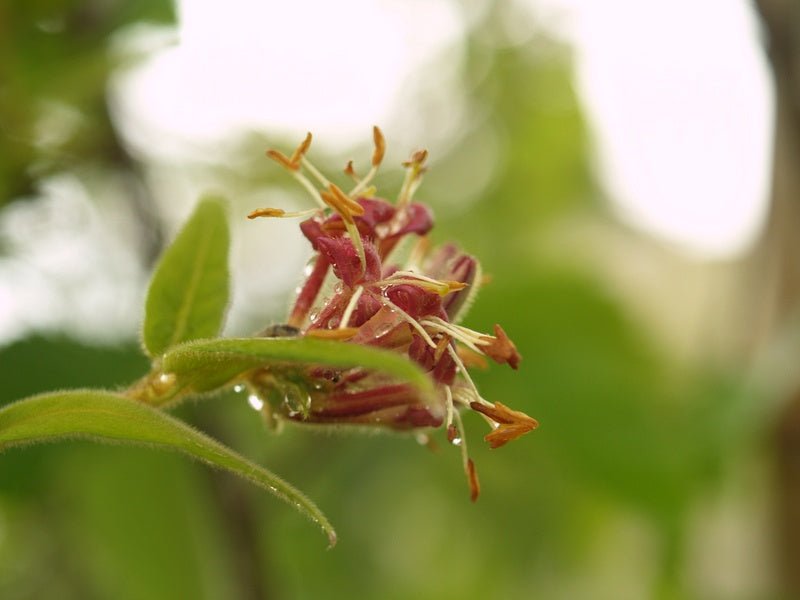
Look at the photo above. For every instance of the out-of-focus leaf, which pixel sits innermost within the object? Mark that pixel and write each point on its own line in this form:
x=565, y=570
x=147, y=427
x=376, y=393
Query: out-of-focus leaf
x=208, y=364
x=105, y=416
x=189, y=291
x=69, y=364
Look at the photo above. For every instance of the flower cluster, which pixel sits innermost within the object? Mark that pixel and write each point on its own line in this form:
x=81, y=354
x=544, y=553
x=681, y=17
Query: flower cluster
x=375, y=281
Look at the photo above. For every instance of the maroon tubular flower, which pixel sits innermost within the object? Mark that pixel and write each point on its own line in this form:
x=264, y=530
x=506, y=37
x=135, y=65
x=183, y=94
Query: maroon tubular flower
x=381, y=294
x=347, y=265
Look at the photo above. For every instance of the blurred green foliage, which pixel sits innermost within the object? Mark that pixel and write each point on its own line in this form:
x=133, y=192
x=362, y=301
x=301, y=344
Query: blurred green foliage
x=53, y=68
x=629, y=440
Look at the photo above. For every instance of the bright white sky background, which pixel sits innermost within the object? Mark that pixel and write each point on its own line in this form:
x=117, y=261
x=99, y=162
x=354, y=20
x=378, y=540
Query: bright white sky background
x=677, y=93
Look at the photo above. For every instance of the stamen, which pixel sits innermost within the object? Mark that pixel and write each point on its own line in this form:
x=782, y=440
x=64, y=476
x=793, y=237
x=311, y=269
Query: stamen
x=409, y=319
x=343, y=333
x=293, y=166
x=466, y=396
x=283, y=160
x=417, y=159
x=412, y=179
x=448, y=402
x=463, y=395
x=474, y=483
x=267, y=212
x=509, y=424
x=377, y=157
x=461, y=332
x=431, y=287
x=439, y=286
x=280, y=213
x=460, y=427
x=336, y=199
x=354, y=207
x=452, y=435
x=471, y=358
x=403, y=197
x=361, y=187
x=441, y=347
x=500, y=348
x=351, y=306
x=323, y=181
x=333, y=202
x=465, y=373
x=469, y=466
x=466, y=336
x=351, y=172
x=380, y=146
x=355, y=237
x=301, y=149
x=309, y=187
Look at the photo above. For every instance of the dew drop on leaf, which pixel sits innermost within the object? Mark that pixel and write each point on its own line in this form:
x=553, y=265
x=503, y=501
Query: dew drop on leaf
x=255, y=402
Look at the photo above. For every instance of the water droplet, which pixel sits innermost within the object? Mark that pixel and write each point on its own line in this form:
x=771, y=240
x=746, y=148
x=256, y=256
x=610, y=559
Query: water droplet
x=456, y=441
x=255, y=402
x=309, y=268
x=337, y=289
x=238, y=388
x=423, y=439
x=333, y=322
x=296, y=401
x=313, y=316
x=298, y=289
x=383, y=329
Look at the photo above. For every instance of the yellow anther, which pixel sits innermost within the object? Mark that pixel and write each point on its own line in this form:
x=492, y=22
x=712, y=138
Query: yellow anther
x=282, y=160
x=377, y=157
x=301, y=150
x=344, y=333
x=454, y=286
x=280, y=213
x=471, y=358
x=354, y=207
x=510, y=424
x=417, y=159
x=266, y=212
x=350, y=171
x=412, y=179
x=342, y=205
x=427, y=283
x=441, y=348
x=380, y=146
x=336, y=204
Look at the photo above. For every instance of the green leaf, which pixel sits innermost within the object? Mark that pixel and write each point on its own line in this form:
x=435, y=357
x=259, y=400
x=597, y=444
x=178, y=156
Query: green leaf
x=205, y=365
x=188, y=294
x=105, y=416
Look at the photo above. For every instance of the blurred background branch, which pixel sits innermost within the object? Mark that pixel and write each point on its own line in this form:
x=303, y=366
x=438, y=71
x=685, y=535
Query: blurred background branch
x=779, y=256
